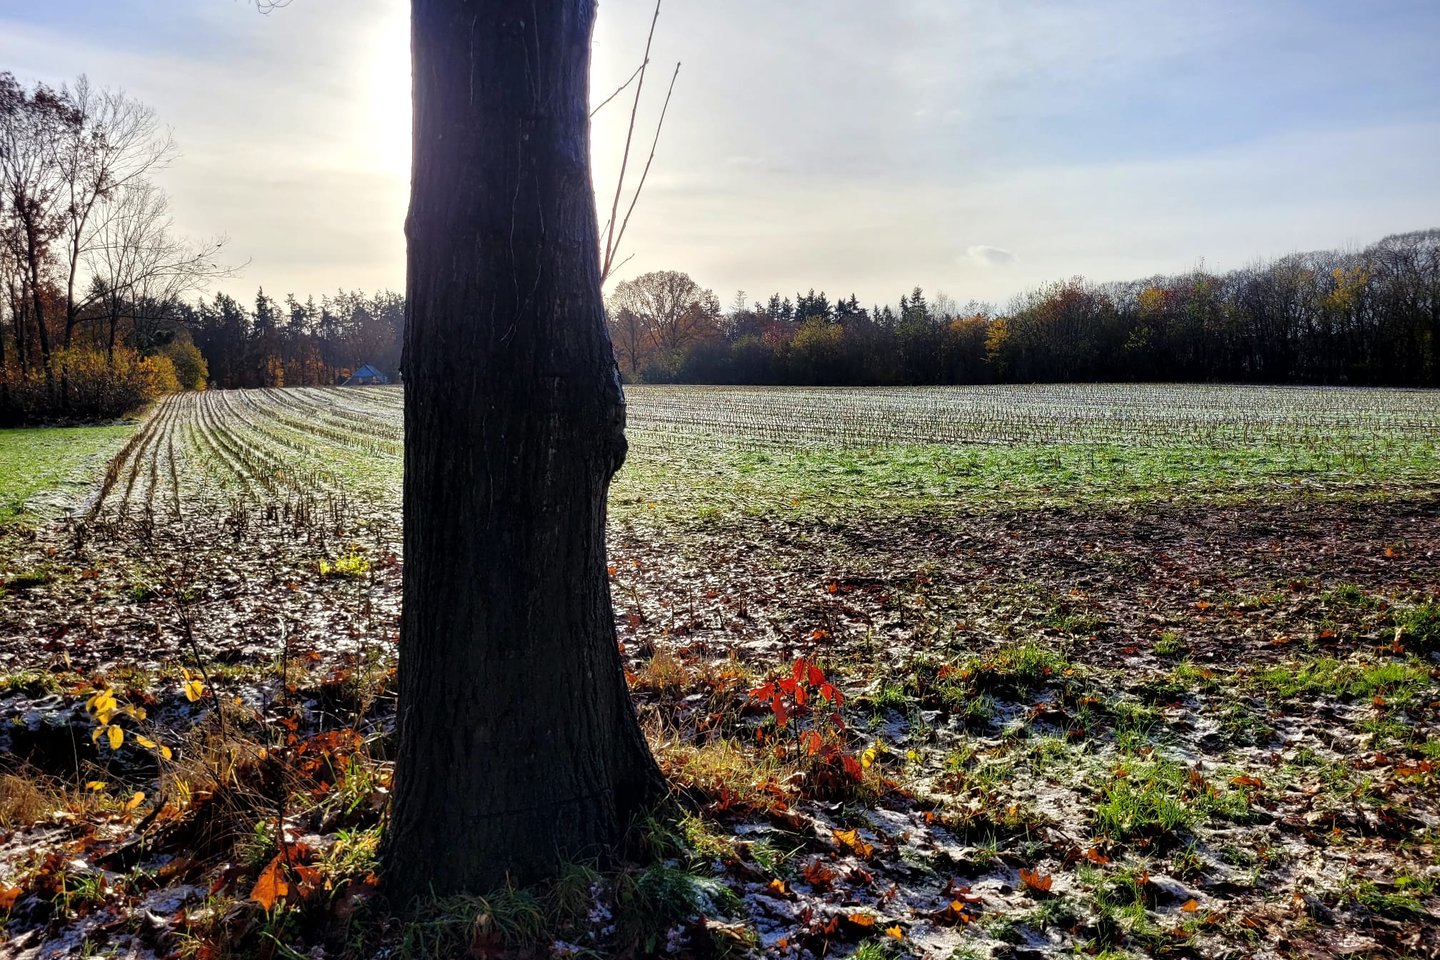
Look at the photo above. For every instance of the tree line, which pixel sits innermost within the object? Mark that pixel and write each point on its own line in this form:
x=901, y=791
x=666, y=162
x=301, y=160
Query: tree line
x=1358, y=317
x=296, y=343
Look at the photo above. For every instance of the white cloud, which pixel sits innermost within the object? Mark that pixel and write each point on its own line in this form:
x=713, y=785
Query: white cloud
x=992, y=257
x=860, y=152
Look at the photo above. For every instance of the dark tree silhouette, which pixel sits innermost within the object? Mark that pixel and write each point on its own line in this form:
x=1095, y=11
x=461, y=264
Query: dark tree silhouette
x=518, y=744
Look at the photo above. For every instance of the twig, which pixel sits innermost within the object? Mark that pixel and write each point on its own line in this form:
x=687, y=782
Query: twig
x=619, y=265
x=625, y=157
x=620, y=91
x=282, y=812
x=643, y=174
x=188, y=628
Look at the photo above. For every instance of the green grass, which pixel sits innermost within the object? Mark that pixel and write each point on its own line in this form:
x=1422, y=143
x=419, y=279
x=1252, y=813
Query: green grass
x=1420, y=627
x=1398, y=682
x=41, y=467
x=670, y=476
x=1155, y=801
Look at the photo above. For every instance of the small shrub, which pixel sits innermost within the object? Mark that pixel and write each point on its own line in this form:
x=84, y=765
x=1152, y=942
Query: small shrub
x=353, y=564
x=191, y=370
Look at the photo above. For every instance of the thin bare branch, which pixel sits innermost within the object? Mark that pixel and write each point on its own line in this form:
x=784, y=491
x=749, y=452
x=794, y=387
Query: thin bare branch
x=619, y=91
x=625, y=157
x=605, y=272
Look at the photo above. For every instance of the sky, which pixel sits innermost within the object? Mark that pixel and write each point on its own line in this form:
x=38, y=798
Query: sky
x=978, y=148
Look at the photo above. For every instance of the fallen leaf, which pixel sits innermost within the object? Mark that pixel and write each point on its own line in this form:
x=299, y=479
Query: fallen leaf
x=270, y=885
x=851, y=840
x=1035, y=880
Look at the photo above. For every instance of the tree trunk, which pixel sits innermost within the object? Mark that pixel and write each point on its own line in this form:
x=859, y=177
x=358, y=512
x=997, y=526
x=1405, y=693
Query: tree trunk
x=38, y=305
x=519, y=747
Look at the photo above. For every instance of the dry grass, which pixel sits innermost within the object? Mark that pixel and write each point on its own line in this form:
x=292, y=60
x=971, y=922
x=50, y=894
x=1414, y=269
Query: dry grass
x=25, y=800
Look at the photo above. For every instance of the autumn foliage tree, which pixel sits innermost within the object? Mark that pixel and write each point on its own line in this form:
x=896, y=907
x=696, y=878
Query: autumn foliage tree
x=659, y=315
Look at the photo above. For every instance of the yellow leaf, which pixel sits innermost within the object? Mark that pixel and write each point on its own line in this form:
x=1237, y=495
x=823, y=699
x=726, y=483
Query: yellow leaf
x=852, y=840
x=116, y=735
x=95, y=785
x=868, y=758
x=194, y=690
x=95, y=734
x=135, y=800
x=165, y=752
x=895, y=932
x=145, y=742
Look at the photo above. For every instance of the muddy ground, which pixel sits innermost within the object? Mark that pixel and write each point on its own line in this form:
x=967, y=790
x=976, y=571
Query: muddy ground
x=1195, y=729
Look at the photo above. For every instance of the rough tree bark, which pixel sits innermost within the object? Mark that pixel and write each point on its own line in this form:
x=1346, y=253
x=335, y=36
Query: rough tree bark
x=518, y=744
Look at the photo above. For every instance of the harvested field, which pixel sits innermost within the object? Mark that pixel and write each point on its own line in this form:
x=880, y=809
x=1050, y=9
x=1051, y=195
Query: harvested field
x=1121, y=670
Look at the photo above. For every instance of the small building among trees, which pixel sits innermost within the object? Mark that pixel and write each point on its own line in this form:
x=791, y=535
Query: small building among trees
x=366, y=376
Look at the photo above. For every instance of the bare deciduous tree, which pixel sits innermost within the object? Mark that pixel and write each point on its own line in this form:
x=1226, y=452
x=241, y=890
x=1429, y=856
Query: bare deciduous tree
x=136, y=261
x=115, y=144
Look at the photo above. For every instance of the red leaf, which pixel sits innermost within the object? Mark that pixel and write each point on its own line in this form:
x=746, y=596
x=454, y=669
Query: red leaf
x=1035, y=880
x=817, y=874
x=817, y=676
x=782, y=716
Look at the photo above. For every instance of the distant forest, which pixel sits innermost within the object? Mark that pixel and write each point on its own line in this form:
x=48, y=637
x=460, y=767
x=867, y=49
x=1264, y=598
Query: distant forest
x=1366, y=317
x=1369, y=317
x=290, y=343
